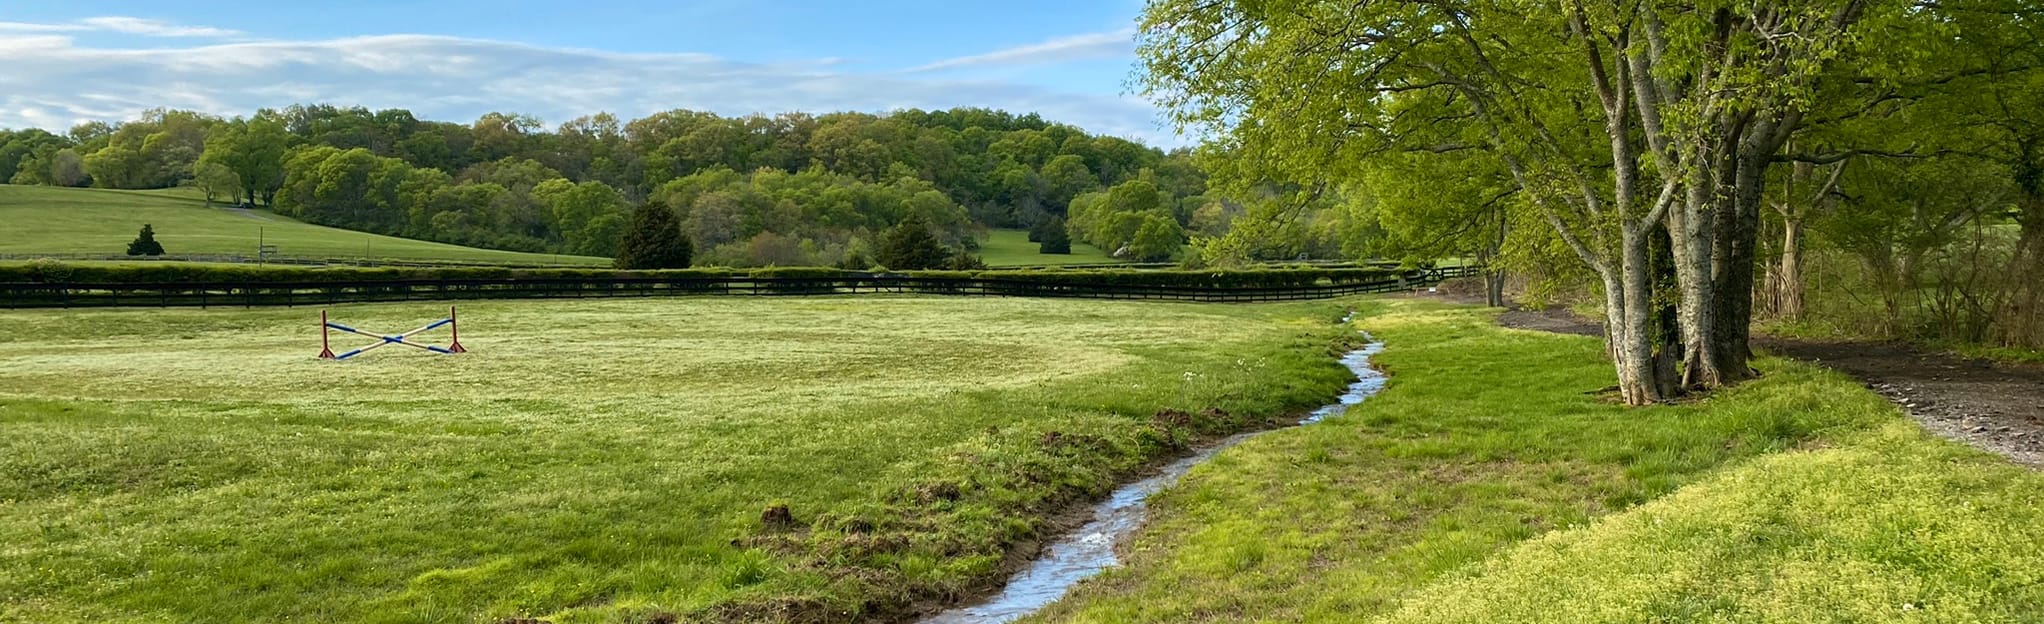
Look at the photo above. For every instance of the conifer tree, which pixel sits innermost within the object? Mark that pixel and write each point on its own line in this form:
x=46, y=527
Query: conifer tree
x=910, y=246
x=145, y=243
x=654, y=240
x=1052, y=238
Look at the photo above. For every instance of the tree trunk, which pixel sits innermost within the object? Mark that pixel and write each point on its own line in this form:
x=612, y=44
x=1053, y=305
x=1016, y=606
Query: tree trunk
x=1643, y=375
x=1667, y=324
x=1494, y=278
x=1788, y=277
x=1733, y=255
x=1690, y=231
x=2022, y=314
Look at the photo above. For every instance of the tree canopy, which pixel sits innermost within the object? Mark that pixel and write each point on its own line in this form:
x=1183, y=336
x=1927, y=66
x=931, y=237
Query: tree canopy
x=752, y=190
x=1637, y=139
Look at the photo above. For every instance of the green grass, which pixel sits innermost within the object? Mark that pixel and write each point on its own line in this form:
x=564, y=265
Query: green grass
x=1490, y=484
x=1012, y=248
x=591, y=461
x=44, y=219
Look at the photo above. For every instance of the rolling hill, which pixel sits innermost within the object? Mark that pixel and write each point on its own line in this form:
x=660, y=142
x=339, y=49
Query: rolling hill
x=66, y=221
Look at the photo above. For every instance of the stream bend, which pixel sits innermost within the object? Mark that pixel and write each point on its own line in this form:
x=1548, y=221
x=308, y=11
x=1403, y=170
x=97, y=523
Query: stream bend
x=1091, y=549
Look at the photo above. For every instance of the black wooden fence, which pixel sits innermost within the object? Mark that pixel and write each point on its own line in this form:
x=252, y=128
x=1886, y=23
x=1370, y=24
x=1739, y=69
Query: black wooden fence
x=250, y=294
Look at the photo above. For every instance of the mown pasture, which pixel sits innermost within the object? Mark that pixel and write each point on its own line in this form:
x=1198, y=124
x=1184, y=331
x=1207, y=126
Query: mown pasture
x=1012, y=248
x=593, y=461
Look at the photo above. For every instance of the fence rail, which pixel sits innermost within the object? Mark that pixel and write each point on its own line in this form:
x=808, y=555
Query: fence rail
x=251, y=294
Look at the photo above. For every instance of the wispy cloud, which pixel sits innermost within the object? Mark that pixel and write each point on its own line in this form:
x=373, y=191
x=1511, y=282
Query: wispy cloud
x=153, y=28
x=123, y=25
x=25, y=27
x=1090, y=46
x=53, y=82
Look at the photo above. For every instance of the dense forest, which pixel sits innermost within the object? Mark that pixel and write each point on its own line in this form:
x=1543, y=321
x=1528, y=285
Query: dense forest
x=750, y=191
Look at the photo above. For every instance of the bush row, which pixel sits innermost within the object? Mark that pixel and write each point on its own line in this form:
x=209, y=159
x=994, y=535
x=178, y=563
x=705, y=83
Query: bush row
x=56, y=272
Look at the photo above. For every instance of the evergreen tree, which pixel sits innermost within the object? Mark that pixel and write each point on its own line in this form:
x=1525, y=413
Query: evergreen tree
x=1052, y=237
x=655, y=240
x=145, y=243
x=910, y=246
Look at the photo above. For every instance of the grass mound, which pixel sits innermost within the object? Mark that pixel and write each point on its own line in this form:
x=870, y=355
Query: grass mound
x=1489, y=483
x=1888, y=527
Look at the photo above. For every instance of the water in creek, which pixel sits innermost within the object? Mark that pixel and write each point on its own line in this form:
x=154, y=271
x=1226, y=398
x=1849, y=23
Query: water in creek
x=1089, y=550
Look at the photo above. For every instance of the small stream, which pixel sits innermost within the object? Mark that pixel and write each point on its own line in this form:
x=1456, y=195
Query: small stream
x=1090, y=549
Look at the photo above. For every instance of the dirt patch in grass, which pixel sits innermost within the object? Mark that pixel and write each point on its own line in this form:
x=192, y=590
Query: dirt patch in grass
x=1999, y=408
x=1552, y=320
x=1992, y=406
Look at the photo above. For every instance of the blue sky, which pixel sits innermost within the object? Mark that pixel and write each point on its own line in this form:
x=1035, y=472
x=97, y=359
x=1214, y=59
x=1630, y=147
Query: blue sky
x=456, y=59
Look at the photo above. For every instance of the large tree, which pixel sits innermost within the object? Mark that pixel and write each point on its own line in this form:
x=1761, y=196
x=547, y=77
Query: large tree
x=1639, y=132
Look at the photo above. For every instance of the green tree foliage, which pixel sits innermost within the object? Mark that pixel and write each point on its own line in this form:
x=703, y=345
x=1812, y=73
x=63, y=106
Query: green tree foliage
x=1638, y=135
x=589, y=216
x=215, y=180
x=254, y=151
x=654, y=240
x=145, y=243
x=1113, y=220
x=1158, y=239
x=910, y=245
x=821, y=184
x=32, y=147
x=155, y=152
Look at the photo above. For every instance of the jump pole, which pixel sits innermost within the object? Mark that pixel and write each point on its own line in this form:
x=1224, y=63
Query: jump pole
x=327, y=352
x=454, y=332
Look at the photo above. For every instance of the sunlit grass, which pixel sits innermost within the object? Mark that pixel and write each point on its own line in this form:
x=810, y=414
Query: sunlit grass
x=1420, y=504
x=40, y=219
x=588, y=461
x=1012, y=248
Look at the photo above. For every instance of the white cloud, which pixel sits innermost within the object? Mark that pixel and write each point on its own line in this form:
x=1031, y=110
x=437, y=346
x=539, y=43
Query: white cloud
x=19, y=27
x=122, y=25
x=52, y=82
x=153, y=28
x=1117, y=44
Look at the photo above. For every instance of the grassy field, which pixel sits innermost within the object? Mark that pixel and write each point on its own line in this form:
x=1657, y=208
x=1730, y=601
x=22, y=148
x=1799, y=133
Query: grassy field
x=1012, y=248
x=44, y=219
x=592, y=461
x=1489, y=483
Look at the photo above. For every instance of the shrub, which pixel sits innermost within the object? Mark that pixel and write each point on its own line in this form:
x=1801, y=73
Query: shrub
x=964, y=261
x=145, y=243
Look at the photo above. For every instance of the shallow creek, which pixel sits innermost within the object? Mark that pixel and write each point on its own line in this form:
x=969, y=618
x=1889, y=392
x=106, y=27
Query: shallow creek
x=1090, y=549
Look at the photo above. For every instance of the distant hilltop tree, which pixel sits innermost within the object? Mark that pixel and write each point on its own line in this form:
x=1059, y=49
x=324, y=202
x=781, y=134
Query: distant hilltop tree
x=654, y=240
x=145, y=243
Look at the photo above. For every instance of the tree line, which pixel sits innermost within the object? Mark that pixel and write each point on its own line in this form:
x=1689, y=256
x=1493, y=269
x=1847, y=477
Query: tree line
x=1670, y=157
x=753, y=190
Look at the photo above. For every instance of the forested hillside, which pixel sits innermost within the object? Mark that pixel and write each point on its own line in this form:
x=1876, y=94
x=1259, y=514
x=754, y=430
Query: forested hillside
x=757, y=190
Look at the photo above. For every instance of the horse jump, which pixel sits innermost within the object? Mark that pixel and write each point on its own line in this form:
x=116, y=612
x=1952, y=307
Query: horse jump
x=326, y=352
